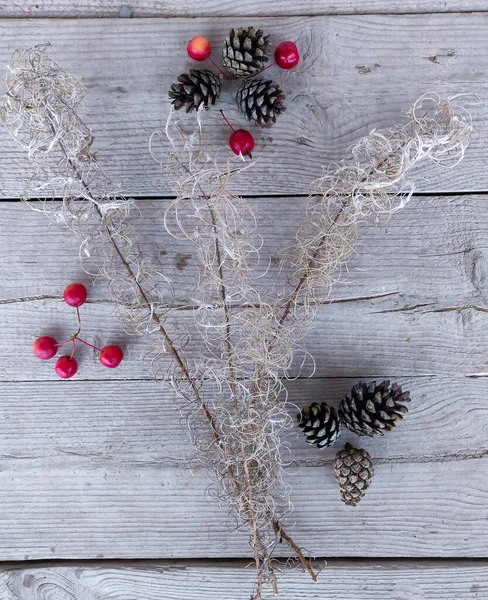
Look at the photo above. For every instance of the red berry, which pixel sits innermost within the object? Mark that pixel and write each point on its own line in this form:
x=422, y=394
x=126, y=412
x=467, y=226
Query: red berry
x=66, y=367
x=241, y=142
x=111, y=356
x=286, y=55
x=45, y=347
x=75, y=294
x=199, y=48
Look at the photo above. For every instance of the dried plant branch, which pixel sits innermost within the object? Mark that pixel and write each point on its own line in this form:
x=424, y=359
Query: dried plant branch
x=41, y=112
x=266, y=335
x=232, y=394
x=298, y=551
x=222, y=227
x=373, y=181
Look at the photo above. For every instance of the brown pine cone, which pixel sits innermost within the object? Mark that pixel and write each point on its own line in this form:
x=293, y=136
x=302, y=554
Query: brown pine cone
x=370, y=409
x=353, y=469
x=197, y=87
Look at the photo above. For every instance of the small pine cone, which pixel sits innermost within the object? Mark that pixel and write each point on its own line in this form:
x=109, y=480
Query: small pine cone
x=320, y=423
x=245, y=52
x=354, y=470
x=195, y=88
x=370, y=409
x=261, y=101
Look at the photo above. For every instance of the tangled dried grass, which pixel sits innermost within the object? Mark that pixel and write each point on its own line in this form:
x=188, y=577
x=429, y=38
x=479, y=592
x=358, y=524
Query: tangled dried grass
x=253, y=340
x=41, y=111
x=251, y=415
x=372, y=182
x=232, y=394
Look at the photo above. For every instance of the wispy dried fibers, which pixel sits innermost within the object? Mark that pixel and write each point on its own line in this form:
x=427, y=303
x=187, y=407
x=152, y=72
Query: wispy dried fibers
x=240, y=443
x=375, y=180
x=251, y=415
x=231, y=393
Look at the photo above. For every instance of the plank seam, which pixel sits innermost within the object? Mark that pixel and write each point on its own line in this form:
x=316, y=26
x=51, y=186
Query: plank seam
x=237, y=561
x=47, y=17
x=431, y=194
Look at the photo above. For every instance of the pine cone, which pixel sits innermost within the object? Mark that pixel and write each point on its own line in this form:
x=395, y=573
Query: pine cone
x=195, y=88
x=370, y=409
x=245, y=52
x=354, y=470
x=320, y=424
x=261, y=101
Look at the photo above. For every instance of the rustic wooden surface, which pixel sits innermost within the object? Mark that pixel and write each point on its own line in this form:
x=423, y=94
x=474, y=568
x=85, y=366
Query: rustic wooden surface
x=119, y=487
x=373, y=580
x=97, y=468
x=357, y=72
x=187, y=8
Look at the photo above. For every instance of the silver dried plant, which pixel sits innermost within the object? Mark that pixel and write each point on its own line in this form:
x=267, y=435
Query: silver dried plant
x=232, y=394
x=41, y=110
x=232, y=314
x=254, y=340
x=373, y=182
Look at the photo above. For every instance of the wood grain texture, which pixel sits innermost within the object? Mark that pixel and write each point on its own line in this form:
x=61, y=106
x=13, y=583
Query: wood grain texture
x=211, y=8
x=339, y=580
x=364, y=339
x=95, y=509
x=414, y=257
x=136, y=423
x=357, y=73
x=94, y=467
x=416, y=292
x=91, y=471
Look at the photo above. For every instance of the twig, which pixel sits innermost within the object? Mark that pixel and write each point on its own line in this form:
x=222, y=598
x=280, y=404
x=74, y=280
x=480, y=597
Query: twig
x=249, y=504
x=306, y=565
x=176, y=355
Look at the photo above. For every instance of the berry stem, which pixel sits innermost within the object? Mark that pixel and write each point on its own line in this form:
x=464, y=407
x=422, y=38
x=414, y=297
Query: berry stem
x=227, y=120
x=73, y=350
x=65, y=342
x=262, y=70
x=79, y=321
x=224, y=75
x=89, y=345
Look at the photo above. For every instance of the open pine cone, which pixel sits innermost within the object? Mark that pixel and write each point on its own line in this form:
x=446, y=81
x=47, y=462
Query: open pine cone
x=320, y=424
x=245, y=52
x=370, y=409
x=195, y=88
x=261, y=101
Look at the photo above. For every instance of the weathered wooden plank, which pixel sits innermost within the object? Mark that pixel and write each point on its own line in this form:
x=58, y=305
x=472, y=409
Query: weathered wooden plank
x=90, y=471
x=136, y=423
x=416, y=292
x=363, y=339
x=415, y=256
x=252, y=8
x=354, y=580
x=89, y=508
x=357, y=73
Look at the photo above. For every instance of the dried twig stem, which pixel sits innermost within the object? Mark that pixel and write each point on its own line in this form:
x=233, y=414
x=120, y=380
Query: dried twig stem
x=305, y=563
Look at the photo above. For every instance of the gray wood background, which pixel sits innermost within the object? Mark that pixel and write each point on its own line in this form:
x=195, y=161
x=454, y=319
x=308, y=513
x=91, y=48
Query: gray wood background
x=93, y=477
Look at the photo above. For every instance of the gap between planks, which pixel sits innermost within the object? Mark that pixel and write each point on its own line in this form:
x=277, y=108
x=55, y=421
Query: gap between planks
x=169, y=9
x=420, y=194
x=230, y=562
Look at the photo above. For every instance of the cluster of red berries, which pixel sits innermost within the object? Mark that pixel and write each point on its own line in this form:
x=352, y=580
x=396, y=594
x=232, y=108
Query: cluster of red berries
x=286, y=56
x=66, y=366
